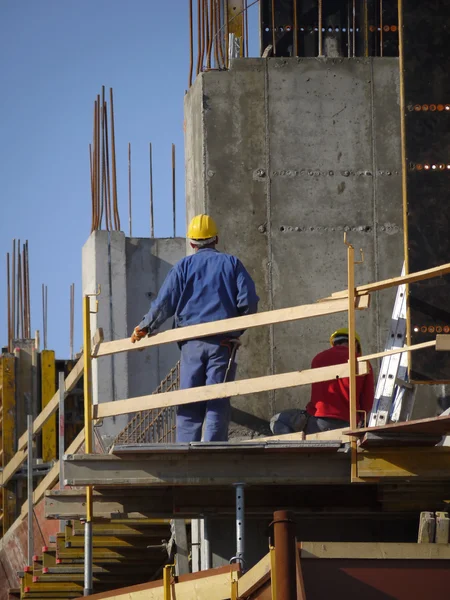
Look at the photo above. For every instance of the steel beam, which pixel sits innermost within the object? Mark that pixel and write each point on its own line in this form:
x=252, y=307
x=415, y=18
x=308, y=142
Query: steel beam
x=301, y=464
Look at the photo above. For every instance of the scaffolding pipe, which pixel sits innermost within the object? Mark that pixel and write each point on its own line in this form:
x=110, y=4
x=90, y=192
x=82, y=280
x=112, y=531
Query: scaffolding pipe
x=285, y=554
x=61, y=432
x=88, y=434
x=30, y=490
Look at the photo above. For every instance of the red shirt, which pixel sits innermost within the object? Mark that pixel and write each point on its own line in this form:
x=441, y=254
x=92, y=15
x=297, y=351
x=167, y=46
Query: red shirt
x=331, y=398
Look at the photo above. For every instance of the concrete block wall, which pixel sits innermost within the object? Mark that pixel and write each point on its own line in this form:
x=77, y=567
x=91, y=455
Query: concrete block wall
x=287, y=154
x=130, y=272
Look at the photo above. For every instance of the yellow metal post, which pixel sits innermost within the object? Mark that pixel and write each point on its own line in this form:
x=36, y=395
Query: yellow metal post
x=273, y=573
x=88, y=435
x=8, y=395
x=167, y=580
x=352, y=352
x=235, y=15
x=48, y=389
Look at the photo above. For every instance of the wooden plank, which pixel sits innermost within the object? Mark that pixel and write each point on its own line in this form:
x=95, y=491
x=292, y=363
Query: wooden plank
x=223, y=390
x=437, y=425
x=334, y=435
x=48, y=389
x=413, y=348
x=213, y=584
x=443, y=342
x=258, y=574
x=15, y=463
x=52, y=476
x=272, y=317
x=373, y=550
x=424, y=463
x=369, y=288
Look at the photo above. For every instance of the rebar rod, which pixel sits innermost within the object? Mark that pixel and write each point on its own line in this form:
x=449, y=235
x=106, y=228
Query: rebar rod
x=295, y=32
x=354, y=29
x=214, y=38
x=320, y=26
x=19, y=294
x=246, y=27
x=152, y=221
x=349, y=45
x=219, y=28
x=113, y=162
x=199, y=34
x=366, y=29
x=72, y=317
x=13, y=296
x=208, y=42
x=28, y=291
x=191, y=44
x=129, y=189
x=274, y=40
x=99, y=167
x=173, y=191
x=92, y=190
x=381, y=27
x=227, y=36
x=8, y=293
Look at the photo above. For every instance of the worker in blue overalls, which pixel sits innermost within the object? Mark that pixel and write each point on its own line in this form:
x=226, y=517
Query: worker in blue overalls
x=205, y=286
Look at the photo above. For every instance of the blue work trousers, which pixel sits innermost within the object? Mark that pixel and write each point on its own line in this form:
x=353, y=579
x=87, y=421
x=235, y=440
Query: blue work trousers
x=204, y=362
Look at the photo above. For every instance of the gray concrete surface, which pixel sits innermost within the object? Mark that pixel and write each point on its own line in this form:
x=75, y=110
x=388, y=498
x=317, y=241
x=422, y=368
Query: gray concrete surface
x=287, y=154
x=130, y=272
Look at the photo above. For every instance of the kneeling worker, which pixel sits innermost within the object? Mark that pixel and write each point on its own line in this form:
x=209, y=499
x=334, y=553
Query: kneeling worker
x=203, y=287
x=329, y=407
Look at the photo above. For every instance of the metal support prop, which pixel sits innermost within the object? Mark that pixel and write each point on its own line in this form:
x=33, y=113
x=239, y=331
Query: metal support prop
x=285, y=555
x=240, y=524
x=352, y=351
x=88, y=434
x=61, y=448
x=30, y=490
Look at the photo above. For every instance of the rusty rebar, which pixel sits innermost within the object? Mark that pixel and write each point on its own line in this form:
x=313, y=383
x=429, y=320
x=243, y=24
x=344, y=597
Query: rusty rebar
x=107, y=169
x=129, y=190
x=320, y=26
x=92, y=190
x=295, y=32
x=19, y=314
x=72, y=318
x=366, y=30
x=13, y=294
x=8, y=294
x=246, y=27
x=208, y=42
x=285, y=554
x=218, y=30
x=227, y=35
x=103, y=161
x=173, y=190
x=381, y=27
x=191, y=44
x=214, y=38
x=100, y=159
x=274, y=37
x=199, y=35
x=113, y=163
x=354, y=28
x=152, y=220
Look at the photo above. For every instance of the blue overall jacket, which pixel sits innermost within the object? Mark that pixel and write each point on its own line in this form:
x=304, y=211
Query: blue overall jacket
x=206, y=286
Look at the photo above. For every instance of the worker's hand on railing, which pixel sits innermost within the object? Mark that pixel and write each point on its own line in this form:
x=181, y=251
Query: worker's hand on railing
x=138, y=334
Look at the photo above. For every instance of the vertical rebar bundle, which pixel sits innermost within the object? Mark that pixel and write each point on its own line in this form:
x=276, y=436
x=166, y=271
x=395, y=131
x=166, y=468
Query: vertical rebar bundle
x=18, y=294
x=216, y=20
x=105, y=212
x=174, y=192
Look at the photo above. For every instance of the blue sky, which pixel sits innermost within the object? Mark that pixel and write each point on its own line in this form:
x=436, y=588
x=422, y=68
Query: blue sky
x=54, y=57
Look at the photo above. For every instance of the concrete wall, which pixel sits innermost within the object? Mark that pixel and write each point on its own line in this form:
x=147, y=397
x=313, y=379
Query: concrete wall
x=130, y=272
x=287, y=154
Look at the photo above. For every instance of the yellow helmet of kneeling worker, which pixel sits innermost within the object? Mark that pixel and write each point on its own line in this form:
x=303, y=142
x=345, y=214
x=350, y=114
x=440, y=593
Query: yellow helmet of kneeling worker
x=342, y=333
x=202, y=227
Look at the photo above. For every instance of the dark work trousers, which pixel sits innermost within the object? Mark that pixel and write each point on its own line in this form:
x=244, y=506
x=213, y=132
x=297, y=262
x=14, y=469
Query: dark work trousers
x=317, y=424
x=204, y=362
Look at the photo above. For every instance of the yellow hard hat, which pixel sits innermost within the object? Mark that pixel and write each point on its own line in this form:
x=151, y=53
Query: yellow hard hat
x=202, y=227
x=343, y=331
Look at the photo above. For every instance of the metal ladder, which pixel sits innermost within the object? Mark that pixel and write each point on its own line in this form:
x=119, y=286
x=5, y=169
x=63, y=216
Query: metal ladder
x=394, y=395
